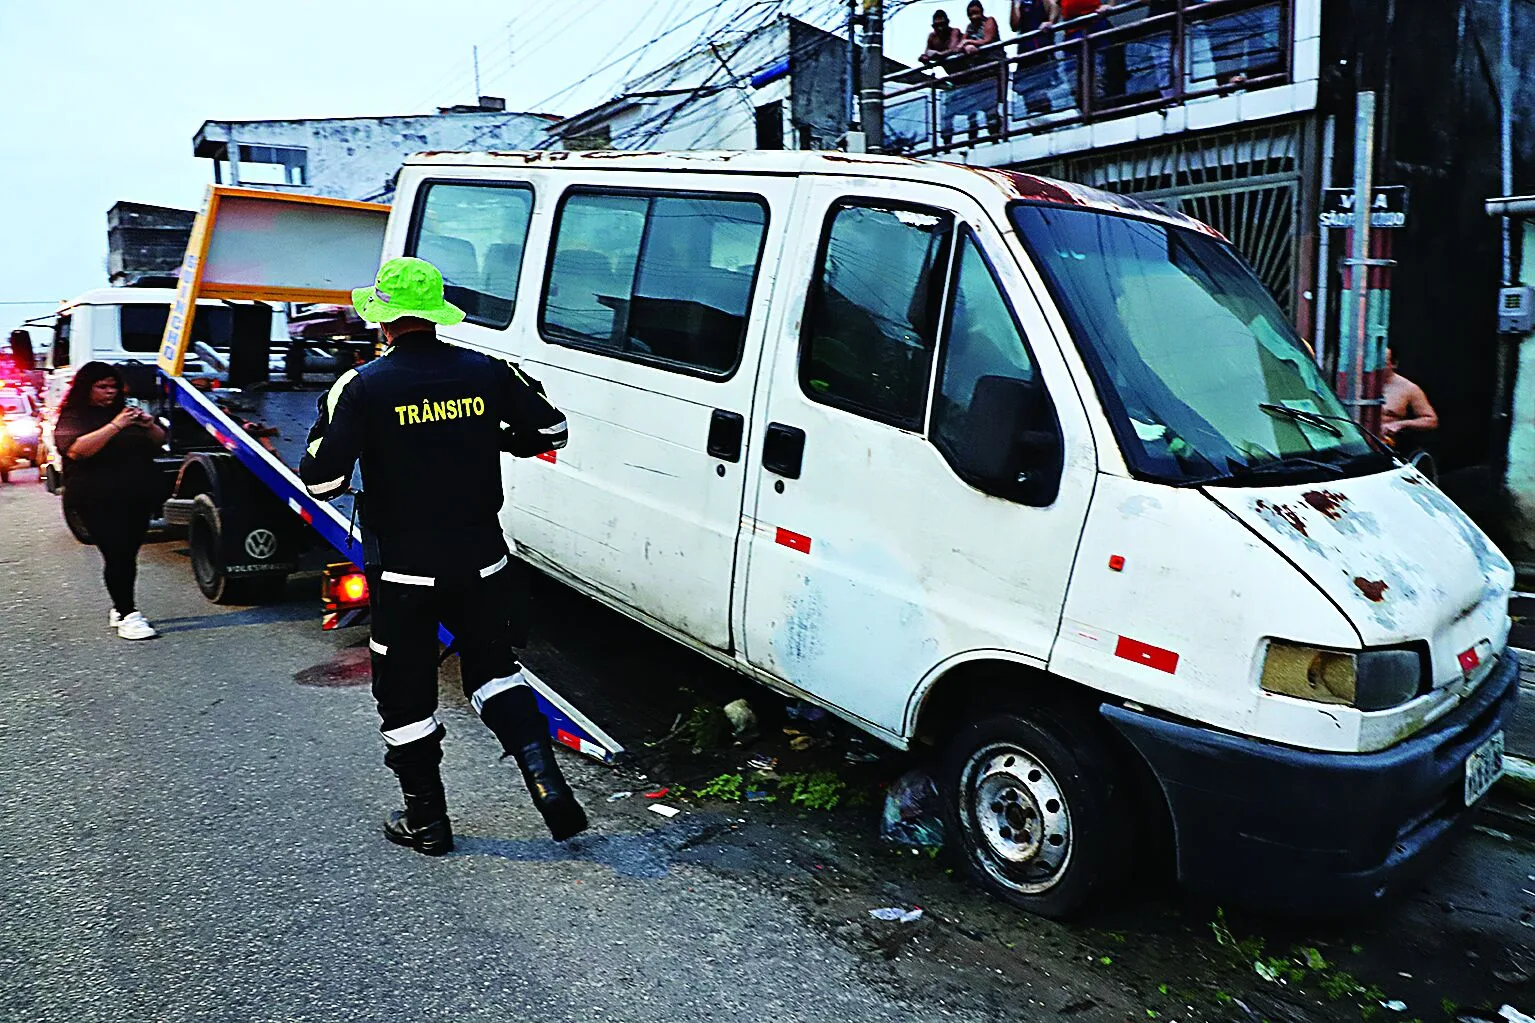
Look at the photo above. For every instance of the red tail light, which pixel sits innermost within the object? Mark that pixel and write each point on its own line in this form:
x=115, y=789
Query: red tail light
x=353, y=588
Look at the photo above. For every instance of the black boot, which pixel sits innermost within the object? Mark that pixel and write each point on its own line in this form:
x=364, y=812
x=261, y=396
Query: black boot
x=423, y=825
x=562, y=814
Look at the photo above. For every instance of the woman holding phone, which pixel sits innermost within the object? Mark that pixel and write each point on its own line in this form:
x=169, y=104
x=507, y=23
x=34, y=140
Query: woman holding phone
x=110, y=481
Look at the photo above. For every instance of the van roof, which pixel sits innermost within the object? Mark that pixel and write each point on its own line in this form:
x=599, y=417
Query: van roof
x=1009, y=184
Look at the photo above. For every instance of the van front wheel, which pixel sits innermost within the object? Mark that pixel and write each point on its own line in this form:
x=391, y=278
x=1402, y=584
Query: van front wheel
x=1037, y=809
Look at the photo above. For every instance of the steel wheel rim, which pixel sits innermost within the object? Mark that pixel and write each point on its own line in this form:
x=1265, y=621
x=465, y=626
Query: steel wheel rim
x=1016, y=817
x=202, y=556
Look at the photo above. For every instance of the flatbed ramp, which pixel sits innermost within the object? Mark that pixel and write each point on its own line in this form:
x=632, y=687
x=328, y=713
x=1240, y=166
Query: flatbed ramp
x=263, y=246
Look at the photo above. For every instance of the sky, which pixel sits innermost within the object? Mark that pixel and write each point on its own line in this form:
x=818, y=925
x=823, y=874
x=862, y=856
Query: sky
x=99, y=99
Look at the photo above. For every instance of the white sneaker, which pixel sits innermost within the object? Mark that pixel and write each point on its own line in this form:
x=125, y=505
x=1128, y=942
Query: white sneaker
x=134, y=626
x=114, y=619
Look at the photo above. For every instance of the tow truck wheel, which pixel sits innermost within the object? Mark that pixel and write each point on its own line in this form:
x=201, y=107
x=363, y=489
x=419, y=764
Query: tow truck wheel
x=1036, y=808
x=205, y=537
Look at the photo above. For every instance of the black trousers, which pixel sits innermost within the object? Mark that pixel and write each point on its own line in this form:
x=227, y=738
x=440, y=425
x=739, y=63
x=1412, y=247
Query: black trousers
x=118, y=533
x=484, y=616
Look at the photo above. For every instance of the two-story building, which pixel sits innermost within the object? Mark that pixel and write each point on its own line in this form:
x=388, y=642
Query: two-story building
x=1241, y=113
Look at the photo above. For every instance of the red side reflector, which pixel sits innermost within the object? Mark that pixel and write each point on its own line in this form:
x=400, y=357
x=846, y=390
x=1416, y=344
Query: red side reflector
x=789, y=538
x=564, y=737
x=1145, y=653
x=547, y=456
x=1117, y=562
x=1469, y=661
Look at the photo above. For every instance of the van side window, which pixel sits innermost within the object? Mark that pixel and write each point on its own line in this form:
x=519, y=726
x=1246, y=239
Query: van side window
x=873, y=320
x=992, y=419
x=142, y=326
x=475, y=235
x=58, y=354
x=663, y=279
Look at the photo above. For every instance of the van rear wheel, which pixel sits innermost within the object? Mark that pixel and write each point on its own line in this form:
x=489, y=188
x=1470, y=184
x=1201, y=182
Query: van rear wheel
x=1037, y=809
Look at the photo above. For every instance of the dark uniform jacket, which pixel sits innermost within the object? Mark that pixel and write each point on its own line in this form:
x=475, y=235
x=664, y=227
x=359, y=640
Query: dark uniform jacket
x=428, y=422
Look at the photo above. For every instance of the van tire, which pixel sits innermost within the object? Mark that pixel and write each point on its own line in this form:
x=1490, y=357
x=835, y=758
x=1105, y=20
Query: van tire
x=1037, y=808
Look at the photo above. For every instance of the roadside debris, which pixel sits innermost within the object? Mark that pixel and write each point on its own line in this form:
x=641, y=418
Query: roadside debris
x=802, y=711
x=664, y=810
x=1513, y=1015
x=1395, y=1005
x=895, y=914
x=658, y=793
x=743, y=720
x=912, y=814
x=615, y=797
x=762, y=762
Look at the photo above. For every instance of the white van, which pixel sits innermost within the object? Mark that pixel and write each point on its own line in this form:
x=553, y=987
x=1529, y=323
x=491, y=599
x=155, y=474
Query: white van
x=1029, y=472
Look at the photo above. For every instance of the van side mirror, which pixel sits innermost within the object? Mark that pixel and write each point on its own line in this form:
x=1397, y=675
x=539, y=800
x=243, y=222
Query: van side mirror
x=1012, y=447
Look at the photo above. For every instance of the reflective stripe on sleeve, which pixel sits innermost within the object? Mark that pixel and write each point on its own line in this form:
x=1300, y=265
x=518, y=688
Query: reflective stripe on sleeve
x=335, y=393
x=377, y=647
x=407, y=580
x=561, y=427
x=495, y=687
x=327, y=488
x=490, y=570
x=413, y=732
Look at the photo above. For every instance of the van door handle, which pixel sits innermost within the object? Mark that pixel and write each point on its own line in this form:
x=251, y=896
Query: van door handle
x=725, y=432
x=783, y=450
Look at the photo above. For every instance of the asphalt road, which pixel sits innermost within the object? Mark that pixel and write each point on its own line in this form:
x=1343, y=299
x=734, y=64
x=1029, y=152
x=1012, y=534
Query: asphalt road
x=188, y=831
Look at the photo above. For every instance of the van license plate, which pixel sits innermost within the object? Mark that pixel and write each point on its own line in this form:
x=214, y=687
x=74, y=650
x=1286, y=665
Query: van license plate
x=1484, y=767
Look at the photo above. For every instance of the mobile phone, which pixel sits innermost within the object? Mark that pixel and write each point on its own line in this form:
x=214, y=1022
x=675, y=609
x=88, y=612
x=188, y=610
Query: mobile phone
x=133, y=403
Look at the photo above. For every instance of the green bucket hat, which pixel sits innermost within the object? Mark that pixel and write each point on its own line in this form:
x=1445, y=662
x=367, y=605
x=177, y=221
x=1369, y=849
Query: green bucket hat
x=406, y=286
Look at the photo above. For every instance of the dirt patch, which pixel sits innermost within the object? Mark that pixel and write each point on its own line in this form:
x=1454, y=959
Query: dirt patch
x=350, y=666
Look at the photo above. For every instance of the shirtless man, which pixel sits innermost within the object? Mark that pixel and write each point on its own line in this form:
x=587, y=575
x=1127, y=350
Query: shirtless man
x=1407, y=410
x=944, y=40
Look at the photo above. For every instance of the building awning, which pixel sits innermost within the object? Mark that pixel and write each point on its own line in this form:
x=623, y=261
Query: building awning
x=1512, y=206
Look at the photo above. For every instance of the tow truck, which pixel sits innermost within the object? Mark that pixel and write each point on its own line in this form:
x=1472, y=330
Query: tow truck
x=239, y=423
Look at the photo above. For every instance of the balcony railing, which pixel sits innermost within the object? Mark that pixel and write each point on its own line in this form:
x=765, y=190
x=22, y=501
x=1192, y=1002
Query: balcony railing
x=1139, y=56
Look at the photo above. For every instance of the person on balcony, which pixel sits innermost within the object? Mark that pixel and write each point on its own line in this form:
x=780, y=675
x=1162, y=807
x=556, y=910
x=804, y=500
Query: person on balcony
x=976, y=86
x=1085, y=18
x=943, y=41
x=1035, y=80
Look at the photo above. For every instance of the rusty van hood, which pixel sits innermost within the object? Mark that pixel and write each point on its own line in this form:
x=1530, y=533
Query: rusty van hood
x=1396, y=555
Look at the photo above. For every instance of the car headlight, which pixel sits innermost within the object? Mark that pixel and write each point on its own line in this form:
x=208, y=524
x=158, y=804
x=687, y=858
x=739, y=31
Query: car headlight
x=1365, y=679
x=24, y=429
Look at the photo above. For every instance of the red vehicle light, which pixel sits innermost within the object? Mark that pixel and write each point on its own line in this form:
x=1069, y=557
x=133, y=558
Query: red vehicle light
x=353, y=588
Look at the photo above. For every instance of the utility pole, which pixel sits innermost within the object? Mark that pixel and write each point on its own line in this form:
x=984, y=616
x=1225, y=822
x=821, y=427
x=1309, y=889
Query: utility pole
x=872, y=91
x=853, y=58
x=476, y=76
x=1355, y=336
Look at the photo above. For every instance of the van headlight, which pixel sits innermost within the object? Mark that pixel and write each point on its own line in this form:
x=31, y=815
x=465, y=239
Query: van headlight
x=1365, y=679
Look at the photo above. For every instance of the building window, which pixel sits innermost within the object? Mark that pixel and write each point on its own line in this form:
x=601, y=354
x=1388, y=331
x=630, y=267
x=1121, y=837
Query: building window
x=658, y=278
x=872, y=325
x=475, y=235
x=264, y=165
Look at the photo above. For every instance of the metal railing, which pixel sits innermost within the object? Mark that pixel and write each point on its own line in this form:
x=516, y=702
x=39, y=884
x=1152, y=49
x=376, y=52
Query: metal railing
x=1138, y=56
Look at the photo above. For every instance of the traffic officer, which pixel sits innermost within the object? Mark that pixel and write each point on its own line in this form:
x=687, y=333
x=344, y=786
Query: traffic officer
x=428, y=422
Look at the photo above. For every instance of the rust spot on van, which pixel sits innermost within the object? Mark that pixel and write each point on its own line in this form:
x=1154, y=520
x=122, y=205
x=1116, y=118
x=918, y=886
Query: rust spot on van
x=1289, y=515
x=1375, y=589
x=1327, y=502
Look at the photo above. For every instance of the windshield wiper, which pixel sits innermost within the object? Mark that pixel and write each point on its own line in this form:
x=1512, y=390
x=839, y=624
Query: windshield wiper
x=1275, y=465
x=1325, y=421
x=1316, y=419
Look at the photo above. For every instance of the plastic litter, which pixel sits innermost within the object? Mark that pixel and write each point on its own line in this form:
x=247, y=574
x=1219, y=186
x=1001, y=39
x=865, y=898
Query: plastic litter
x=615, y=797
x=1395, y=1005
x=913, y=811
x=895, y=914
x=742, y=718
x=761, y=762
x=802, y=711
x=658, y=793
x=802, y=742
x=757, y=795
x=1513, y=1015
x=664, y=810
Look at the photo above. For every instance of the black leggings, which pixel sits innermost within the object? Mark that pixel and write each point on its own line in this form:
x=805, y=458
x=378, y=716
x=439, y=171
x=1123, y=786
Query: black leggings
x=117, y=533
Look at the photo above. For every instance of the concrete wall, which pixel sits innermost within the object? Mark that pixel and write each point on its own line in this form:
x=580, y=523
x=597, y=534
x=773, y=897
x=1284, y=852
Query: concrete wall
x=357, y=157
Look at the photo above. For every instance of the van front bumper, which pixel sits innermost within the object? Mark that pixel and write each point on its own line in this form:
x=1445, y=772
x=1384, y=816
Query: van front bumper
x=1294, y=831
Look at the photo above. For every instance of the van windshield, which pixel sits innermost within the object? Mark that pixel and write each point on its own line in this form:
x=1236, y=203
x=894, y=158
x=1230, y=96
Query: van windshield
x=1204, y=379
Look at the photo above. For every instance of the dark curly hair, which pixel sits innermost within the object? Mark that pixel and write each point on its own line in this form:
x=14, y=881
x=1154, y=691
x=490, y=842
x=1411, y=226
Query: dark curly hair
x=78, y=396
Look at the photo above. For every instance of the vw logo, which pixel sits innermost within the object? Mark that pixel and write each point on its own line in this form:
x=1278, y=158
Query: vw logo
x=261, y=543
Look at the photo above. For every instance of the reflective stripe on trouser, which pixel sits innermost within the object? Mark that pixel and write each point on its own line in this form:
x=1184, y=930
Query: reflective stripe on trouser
x=480, y=612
